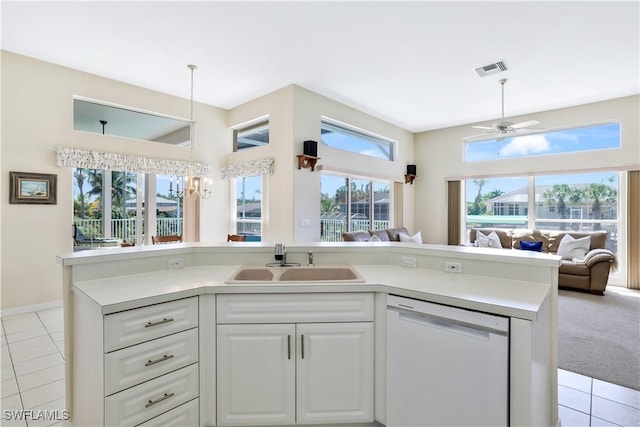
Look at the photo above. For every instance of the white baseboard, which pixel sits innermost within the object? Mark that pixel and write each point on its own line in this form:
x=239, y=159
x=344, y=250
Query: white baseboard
x=30, y=308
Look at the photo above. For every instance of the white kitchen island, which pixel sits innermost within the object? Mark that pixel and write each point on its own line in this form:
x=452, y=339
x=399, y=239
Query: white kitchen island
x=107, y=291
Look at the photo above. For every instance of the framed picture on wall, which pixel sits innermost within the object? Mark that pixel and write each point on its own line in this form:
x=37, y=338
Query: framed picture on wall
x=32, y=188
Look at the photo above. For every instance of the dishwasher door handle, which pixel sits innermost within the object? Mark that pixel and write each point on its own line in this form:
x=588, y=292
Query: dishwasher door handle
x=447, y=324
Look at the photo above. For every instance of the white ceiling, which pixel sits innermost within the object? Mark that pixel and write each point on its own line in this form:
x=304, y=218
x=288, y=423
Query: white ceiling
x=410, y=63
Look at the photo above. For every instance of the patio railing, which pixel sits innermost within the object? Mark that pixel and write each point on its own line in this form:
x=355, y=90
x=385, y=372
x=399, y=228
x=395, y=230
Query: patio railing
x=125, y=229
x=331, y=229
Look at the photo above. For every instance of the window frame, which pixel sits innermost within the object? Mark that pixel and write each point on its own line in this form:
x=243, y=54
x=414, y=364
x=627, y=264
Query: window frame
x=347, y=220
x=253, y=125
x=498, y=141
x=235, y=220
x=532, y=220
x=387, y=146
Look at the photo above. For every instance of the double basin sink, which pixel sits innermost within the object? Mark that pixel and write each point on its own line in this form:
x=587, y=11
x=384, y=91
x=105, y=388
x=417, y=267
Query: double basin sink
x=271, y=275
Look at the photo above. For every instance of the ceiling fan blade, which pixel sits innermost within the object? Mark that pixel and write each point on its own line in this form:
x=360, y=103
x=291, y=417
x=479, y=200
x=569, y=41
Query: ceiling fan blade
x=478, y=137
x=482, y=127
x=525, y=124
x=527, y=131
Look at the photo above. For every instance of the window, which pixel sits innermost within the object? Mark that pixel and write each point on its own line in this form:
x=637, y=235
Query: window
x=497, y=202
x=348, y=138
x=581, y=202
x=248, y=207
x=578, y=202
x=104, y=118
x=109, y=218
x=169, y=207
x=599, y=137
x=345, y=205
x=251, y=135
x=103, y=218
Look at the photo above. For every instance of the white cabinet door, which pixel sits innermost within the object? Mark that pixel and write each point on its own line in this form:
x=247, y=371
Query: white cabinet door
x=335, y=372
x=256, y=374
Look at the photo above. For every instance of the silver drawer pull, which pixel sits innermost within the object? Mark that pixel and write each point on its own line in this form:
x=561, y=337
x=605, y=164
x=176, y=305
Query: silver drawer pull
x=159, y=322
x=162, y=359
x=158, y=400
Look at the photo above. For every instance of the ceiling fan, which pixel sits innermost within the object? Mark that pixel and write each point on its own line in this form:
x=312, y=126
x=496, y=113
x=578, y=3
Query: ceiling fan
x=504, y=128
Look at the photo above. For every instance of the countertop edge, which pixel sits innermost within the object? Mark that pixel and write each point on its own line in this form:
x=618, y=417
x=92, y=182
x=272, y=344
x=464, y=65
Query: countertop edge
x=526, y=307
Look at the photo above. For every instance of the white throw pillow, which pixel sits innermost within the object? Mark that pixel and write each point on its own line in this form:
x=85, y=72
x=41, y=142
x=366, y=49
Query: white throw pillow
x=571, y=248
x=416, y=238
x=490, y=241
x=375, y=238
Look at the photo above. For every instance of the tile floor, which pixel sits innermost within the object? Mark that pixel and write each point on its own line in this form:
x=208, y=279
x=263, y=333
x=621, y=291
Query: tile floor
x=33, y=379
x=32, y=358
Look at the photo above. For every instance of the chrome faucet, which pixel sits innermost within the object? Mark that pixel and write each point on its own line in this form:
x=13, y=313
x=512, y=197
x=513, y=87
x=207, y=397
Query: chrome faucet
x=281, y=256
x=281, y=253
x=310, y=255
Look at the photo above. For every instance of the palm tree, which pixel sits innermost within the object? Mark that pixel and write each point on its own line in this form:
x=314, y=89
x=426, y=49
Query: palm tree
x=558, y=194
x=121, y=187
x=328, y=206
x=477, y=207
x=599, y=193
x=80, y=176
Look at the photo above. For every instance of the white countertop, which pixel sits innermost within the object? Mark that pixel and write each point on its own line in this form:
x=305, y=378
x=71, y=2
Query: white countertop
x=501, y=296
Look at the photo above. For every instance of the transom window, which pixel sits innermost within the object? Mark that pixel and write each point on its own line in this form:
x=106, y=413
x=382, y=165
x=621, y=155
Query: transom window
x=598, y=137
x=345, y=137
x=252, y=135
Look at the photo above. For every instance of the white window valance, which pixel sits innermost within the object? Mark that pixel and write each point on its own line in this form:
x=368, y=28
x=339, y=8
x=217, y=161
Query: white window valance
x=79, y=158
x=250, y=168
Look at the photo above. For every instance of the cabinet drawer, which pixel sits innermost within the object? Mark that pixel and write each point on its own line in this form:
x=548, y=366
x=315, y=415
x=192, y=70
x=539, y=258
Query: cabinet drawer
x=138, y=404
x=143, y=324
x=295, y=308
x=133, y=365
x=184, y=415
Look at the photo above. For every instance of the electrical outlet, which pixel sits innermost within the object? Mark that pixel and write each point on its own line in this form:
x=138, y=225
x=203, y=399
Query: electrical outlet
x=175, y=263
x=453, y=267
x=408, y=261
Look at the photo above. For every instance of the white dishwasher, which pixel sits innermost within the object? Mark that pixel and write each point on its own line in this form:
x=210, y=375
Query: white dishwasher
x=446, y=366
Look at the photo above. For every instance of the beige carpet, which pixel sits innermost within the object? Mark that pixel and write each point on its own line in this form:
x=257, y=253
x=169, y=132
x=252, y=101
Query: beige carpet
x=599, y=336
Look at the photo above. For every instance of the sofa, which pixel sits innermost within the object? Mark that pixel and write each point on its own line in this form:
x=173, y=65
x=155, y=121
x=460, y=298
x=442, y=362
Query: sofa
x=589, y=274
x=384, y=235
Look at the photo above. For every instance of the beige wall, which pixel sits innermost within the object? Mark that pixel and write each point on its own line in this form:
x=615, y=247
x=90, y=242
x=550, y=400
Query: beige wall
x=294, y=194
x=36, y=117
x=440, y=155
x=37, y=113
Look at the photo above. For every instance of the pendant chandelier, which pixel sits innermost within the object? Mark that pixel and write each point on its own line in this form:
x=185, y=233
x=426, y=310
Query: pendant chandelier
x=193, y=186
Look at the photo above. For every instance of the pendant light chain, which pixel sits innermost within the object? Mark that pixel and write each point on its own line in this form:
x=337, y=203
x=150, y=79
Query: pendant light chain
x=193, y=186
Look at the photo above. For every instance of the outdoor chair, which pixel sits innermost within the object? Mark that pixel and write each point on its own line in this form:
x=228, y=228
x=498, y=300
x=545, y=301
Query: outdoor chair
x=79, y=239
x=236, y=238
x=157, y=240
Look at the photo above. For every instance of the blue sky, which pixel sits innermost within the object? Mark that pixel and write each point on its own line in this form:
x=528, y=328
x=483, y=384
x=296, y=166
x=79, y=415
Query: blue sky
x=605, y=136
x=597, y=137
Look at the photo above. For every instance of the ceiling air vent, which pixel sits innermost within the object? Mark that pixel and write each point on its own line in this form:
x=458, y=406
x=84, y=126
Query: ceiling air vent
x=493, y=68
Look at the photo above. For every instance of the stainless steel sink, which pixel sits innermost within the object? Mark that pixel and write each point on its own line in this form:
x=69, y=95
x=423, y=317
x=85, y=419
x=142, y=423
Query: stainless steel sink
x=272, y=275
